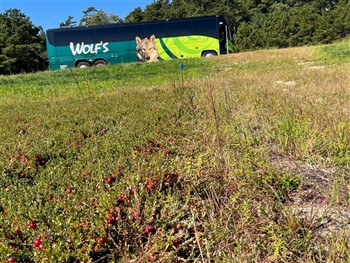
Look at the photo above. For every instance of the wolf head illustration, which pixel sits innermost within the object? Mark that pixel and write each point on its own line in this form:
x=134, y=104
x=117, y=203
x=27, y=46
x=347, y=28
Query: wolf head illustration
x=146, y=49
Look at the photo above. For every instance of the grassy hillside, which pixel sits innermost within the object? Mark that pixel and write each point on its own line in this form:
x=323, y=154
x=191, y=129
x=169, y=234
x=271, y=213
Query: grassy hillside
x=239, y=158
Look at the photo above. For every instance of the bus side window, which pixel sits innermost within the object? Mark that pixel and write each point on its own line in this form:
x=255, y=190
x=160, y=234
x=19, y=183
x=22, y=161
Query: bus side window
x=180, y=28
x=205, y=28
x=86, y=36
x=60, y=38
x=107, y=34
x=130, y=32
x=159, y=30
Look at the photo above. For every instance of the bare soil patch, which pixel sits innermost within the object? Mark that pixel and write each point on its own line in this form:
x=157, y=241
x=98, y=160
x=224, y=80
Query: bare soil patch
x=313, y=201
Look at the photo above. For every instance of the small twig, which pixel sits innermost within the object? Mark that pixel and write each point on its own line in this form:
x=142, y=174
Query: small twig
x=197, y=236
x=216, y=117
x=76, y=82
x=323, y=225
x=102, y=258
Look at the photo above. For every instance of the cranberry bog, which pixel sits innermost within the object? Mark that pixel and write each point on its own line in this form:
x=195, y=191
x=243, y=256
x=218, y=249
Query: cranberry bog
x=238, y=158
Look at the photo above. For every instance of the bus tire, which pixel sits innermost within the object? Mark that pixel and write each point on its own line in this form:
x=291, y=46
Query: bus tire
x=83, y=64
x=208, y=54
x=100, y=63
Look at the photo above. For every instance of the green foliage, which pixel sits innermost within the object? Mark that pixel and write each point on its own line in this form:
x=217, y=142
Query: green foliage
x=289, y=27
x=159, y=9
x=339, y=51
x=101, y=80
x=92, y=16
x=22, y=45
x=135, y=16
x=69, y=22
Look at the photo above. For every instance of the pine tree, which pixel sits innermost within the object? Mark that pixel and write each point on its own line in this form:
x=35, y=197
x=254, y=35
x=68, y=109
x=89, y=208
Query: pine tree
x=22, y=45
x=92, y=16
x=135, y=16
x=69, y=22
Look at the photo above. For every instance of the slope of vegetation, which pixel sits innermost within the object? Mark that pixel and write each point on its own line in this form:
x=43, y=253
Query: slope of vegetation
x=239, y=158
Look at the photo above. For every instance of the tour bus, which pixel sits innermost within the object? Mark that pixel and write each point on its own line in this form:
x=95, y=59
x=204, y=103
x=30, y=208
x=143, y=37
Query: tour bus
x=144, y=41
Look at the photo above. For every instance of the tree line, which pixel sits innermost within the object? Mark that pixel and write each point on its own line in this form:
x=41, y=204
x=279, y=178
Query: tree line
x=256, y=24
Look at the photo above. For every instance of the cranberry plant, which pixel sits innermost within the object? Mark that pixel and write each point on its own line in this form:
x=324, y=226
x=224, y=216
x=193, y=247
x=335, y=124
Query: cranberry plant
x=101, y=179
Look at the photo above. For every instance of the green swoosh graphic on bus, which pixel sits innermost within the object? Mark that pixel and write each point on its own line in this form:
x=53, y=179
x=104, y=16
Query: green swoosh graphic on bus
x=185, y=47
x=165, y=49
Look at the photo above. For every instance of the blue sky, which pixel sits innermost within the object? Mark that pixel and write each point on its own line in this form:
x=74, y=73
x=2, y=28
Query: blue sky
x=50, y=13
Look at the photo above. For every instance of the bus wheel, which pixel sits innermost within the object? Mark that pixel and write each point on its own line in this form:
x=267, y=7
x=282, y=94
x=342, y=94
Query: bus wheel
x=209, y=54
x=83, y=64
x=100, y=63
